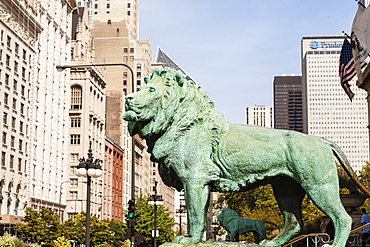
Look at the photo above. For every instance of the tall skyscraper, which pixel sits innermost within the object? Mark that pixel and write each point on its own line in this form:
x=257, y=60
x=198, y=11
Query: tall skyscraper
x=288, y=103
x=327, y=110
x=259, y=115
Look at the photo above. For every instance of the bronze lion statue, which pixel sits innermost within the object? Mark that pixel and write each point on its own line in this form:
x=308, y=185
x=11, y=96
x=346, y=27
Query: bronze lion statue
x=234, y=225
x=199, y=151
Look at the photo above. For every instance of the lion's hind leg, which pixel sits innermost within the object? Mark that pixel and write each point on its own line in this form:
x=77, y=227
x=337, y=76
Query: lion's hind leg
x=328, y=201
x=289, y=196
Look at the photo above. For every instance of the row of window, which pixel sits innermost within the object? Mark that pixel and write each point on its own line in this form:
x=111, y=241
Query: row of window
x=12, y=163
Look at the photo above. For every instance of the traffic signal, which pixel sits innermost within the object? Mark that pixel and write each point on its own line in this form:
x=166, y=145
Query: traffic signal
x=131, y=210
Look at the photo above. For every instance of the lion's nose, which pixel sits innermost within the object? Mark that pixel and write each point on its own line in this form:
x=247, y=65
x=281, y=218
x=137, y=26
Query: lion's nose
x=129, y=97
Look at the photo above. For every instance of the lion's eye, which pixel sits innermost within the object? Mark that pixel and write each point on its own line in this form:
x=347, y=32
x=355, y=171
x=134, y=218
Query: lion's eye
x=152, y=89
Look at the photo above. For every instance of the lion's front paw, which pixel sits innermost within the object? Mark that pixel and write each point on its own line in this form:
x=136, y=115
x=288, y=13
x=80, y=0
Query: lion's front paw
x=227, y=185
x=186, y=240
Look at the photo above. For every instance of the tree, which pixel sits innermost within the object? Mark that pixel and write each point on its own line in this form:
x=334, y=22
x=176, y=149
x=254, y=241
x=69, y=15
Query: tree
x=40, y=227
x=118, y=230
x=101, y=231
x=144, y=221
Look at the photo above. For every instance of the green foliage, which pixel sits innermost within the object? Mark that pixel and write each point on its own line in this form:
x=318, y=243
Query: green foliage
x=144, y=221
x=10, y=241
x=260, y=204
x=61, y=242
x=40, y=226
x=101, y=231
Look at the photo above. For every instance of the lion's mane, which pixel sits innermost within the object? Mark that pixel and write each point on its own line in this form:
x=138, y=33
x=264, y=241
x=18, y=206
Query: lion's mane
x=182, y=105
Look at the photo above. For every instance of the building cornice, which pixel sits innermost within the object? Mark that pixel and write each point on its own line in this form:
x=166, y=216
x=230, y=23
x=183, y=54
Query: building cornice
x=20, y=20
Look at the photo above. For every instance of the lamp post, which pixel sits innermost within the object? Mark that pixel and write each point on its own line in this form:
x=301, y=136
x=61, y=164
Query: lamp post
x=155, y=200
x=180, y=212
x=89, y=168
x=60, y=200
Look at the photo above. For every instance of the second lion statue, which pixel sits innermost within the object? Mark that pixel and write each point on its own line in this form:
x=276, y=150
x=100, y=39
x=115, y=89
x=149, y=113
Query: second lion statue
x=199, y=151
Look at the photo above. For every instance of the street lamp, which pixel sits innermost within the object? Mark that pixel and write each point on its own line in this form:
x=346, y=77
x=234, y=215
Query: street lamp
x=89, y=168
x=155, y=200
x=60, y=200
x=180, y=212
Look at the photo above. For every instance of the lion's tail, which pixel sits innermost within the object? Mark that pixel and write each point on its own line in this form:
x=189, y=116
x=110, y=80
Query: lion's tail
x=341, y=157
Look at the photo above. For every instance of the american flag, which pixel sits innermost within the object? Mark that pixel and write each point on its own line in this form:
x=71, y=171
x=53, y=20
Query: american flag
x=346, y=68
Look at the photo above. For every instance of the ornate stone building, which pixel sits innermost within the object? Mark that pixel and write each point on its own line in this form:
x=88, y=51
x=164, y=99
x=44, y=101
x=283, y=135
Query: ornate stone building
x=34, y=38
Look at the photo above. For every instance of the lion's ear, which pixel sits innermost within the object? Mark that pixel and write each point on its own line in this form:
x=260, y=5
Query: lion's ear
x=146, y=79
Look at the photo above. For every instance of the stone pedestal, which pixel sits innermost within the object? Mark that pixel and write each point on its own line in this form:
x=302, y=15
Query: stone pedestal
x=211, y=244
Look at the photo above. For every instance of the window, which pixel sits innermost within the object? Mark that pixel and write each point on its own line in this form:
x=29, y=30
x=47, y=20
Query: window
x=5, y=118
x=75, y=122
x=109, y=21
x=128, y=13
x=108, y=5
x=7, y=61
x=128, y=5
x=23, y=73
x=73, y=170
x=125, y=50
x=138, y=74
x=132, y=50
x=15, y=85
x=7, y=79
x=73, y=195
x=24, y=56
x=8, y=41
x=96, y=6
x=16, y=48
x=23, y=89
x=12, y=141
x=13, y=122
x=14, y=104
x=125, y=82
x=74, y=157
x=4, y=137
x=6, y=99
x=15, y=67
x=19, y=164
x=21, y=126
x=75, y=139
x=11, y=162
x=138, y=82
x=138, y=66
x=73, y=182
x=20, y=146
x=22, y=108
x=76, y=97
x=3, y=159
x=125, y=58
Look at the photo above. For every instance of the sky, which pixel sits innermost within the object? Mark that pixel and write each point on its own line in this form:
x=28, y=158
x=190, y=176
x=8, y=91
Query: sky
x=234, y=48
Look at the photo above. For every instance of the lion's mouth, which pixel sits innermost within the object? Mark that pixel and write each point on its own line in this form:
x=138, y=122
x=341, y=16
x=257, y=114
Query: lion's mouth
x=131, y=116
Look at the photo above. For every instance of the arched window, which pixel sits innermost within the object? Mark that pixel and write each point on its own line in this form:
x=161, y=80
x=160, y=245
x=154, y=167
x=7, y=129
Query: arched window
x=76, y=97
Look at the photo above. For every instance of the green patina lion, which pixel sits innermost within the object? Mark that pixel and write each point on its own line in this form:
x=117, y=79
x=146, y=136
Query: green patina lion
x=235, y=225
x=199, y=151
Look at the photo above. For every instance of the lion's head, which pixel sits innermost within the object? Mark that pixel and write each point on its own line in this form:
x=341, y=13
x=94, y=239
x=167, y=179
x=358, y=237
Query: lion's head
x=167, y=99
x=226, y=215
